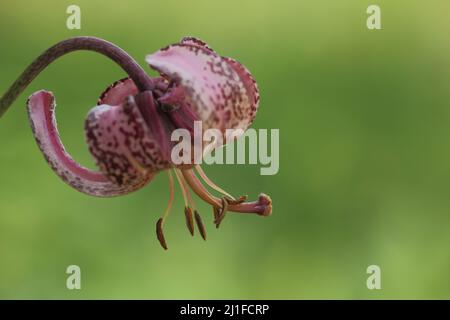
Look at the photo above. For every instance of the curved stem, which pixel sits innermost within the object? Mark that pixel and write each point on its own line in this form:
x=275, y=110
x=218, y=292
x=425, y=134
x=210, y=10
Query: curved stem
x=127, y=63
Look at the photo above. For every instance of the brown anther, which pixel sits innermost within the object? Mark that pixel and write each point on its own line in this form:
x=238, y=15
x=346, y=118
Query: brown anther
x=200, y=225
x=216, y=211
x=222, y=211
x=160, y=234
x=189, y=219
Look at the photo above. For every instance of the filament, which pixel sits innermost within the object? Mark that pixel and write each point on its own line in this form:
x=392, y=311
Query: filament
x=171, y=197
x=183, y=187
x=212, y=184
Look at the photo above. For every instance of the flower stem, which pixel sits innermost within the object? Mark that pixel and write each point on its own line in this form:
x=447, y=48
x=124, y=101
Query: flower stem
x=127, y=63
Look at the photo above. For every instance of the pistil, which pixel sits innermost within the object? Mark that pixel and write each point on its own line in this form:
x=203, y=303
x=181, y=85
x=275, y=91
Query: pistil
x=262, y=207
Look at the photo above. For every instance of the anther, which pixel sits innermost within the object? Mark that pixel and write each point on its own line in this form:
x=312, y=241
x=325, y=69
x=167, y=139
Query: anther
x=160, y=234
x=189, y=219
x=222, y=211
x=216, y=211
x=200, y=225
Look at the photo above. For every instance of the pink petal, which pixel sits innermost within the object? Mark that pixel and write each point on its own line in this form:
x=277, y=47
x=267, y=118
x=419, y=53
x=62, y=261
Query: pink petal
x=41, y=107
x=196, y=42
x=121, y=143
x=116, y=93
x=220, y=90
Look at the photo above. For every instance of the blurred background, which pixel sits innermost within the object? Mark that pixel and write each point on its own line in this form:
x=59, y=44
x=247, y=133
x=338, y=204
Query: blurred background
x=364, y=156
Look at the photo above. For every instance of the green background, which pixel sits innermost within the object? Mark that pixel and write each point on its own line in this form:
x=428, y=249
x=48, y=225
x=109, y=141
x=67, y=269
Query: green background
x=364, y=156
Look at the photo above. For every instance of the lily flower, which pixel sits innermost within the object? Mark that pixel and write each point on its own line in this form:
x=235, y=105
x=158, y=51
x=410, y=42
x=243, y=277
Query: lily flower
x=128, y=132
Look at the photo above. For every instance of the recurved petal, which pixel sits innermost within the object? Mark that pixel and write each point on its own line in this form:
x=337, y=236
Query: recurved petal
x=121, y=144
x=116, y=93
x=41, y=112
x=196, y=42
x=220, y=90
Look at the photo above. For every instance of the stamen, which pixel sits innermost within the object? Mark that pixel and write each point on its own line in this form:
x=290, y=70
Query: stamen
x=216, y=212
x=200, y=225
x=199, y=189
x=188, y=202
x=184, y=190
x=188, y=210
x=160, y=223
x=171, y=195
x=221, y=212
x=160, y=234
x=189, y=219
x=212, y=184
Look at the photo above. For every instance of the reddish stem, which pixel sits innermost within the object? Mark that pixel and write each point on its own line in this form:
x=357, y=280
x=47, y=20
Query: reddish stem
x=127, y=63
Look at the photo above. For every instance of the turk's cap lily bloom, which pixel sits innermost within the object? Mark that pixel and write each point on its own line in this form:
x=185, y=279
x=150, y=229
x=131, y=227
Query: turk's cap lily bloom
x=128, y=132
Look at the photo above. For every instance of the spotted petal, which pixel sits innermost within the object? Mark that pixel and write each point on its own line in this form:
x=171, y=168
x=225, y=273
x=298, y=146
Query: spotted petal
x=116, y=93
x=121, y=142
x=41, y=111
x=220, y=90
